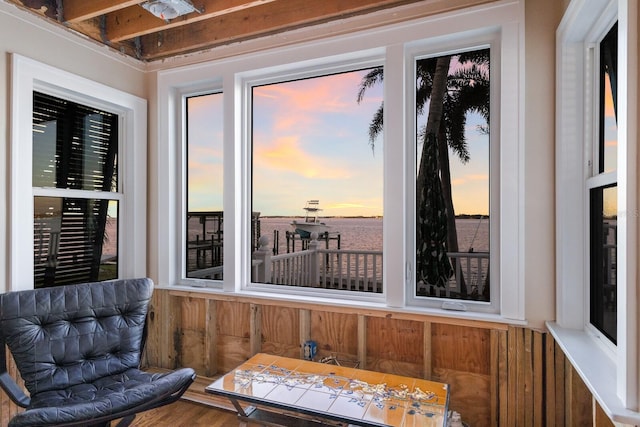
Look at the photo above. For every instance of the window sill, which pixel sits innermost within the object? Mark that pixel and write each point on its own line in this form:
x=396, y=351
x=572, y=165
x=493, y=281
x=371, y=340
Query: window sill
x=464, y=317
x=597, y=370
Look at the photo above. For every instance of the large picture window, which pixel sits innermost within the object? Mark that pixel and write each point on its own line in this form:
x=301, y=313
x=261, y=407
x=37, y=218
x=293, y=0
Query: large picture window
x=322, y=143
x=317, y=182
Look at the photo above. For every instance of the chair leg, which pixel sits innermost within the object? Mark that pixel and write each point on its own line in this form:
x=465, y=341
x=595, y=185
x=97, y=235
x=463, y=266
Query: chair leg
x=124, y=422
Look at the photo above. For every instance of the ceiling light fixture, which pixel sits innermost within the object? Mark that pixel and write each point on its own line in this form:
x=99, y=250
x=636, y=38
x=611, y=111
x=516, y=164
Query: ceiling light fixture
x=169, y=9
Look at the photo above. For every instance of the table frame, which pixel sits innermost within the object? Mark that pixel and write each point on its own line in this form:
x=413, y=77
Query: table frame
x=273, y=413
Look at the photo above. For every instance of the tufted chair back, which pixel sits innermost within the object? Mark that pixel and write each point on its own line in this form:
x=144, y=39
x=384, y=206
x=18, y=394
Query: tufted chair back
x=70, y=335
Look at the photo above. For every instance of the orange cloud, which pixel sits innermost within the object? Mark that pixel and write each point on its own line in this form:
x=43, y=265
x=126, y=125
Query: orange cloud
x=286, y=154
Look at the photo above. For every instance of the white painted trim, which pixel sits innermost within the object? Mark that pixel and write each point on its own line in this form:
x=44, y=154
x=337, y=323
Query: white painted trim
x=615, y=383
x=596, y=369
x=396, y=157
x=627, y=378
x=391, y=42
x=29, y=75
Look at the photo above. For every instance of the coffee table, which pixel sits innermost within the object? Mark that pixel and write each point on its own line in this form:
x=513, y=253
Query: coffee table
x=286, y=391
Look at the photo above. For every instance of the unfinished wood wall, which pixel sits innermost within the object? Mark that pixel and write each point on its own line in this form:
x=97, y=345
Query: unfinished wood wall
x=499, y=375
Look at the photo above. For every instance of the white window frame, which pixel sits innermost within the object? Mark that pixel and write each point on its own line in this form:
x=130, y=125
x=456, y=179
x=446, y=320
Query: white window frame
x=182, y=169
x=488, y=38
x=29, y=76
x=275, y=75
x=394, y=43
x=610, y=372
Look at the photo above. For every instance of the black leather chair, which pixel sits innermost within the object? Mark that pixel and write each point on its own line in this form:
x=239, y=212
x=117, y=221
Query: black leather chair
x=78, y=350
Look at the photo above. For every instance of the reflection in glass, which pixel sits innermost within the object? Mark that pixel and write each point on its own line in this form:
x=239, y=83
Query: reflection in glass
x=75, y=240
x=608, y=147
x=204, y=254
x=74, y=146
x=604, y=207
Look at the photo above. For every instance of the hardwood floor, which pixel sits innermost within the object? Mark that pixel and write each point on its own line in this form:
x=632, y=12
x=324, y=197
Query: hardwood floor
x=186, y=413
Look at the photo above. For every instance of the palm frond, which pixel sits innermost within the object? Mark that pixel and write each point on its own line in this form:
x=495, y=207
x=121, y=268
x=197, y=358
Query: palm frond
x=376, y=75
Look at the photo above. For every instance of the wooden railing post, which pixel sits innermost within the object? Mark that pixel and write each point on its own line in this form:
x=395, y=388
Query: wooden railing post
x=262, y=259
x=314, y=260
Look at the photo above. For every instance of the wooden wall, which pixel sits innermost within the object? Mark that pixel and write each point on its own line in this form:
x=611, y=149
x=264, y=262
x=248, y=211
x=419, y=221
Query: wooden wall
x=499, y=375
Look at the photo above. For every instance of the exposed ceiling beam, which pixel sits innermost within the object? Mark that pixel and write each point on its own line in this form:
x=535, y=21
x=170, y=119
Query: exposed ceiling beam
x=82, y=10
x=134, y=21
x=260, y=20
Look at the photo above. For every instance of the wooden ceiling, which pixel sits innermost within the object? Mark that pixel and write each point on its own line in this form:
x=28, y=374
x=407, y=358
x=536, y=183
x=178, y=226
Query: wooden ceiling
x=124, y=25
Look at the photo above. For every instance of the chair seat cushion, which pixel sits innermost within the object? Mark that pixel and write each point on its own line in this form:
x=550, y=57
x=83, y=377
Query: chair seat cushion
x=109, y=395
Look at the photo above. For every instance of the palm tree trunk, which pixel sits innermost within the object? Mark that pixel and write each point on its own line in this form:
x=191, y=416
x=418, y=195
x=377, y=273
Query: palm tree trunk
x=432, y=263
x=436, y=106
x=452, y=232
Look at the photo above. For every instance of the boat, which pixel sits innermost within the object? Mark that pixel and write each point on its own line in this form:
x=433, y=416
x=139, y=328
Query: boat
x=311, y=224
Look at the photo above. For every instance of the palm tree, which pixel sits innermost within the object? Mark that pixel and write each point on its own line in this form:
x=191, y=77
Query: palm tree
x=465, y=90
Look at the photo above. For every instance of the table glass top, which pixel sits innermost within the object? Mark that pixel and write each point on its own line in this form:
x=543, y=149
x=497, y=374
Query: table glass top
x=337, y=391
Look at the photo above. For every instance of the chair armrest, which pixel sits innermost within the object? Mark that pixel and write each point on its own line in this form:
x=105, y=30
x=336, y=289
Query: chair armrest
x=12, y=389
x=7, y=383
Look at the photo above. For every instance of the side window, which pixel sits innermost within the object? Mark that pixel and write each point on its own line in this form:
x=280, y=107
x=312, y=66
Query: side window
x=317, y=183
x=78, y=178
x=452, y=214
x=205, y=216
x=76, y=198
x=603, y=196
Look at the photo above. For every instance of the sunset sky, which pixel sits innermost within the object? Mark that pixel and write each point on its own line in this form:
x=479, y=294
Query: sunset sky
x=310, y=141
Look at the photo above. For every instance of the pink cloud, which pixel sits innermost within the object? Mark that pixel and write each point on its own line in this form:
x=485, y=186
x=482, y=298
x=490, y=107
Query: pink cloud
x=286, y=154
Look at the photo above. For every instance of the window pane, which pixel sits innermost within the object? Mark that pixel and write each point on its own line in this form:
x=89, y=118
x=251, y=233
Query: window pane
x=452, y=176
x=604, y=208
x=74, y=146
x=75, y=240
x=608, y=147
x=204, y=252
x=318, y=170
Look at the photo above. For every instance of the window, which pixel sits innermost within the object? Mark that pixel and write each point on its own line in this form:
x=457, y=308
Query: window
x=452, y=176
x=78, y=212
x=204, y=249
x=603, y=195
x=298, y=145
x=317, y=181
x=596, y=304
x=75, y=153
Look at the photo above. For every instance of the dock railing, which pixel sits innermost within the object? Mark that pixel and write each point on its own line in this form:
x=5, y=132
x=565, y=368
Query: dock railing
x=469, y=281
x=361, y=270
x=320, y=268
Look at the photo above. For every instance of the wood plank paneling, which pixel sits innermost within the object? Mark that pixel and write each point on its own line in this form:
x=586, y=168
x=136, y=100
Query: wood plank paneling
x=335, y=334
x=281, y=331
x=578, y=399
x=461, y=348
x=469, y=395
x=499, y=376
x=395, y=339
x=233, y=319
x=211, y=338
